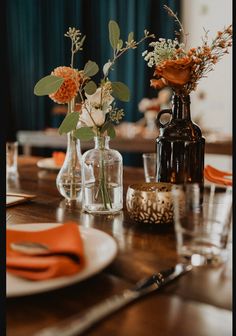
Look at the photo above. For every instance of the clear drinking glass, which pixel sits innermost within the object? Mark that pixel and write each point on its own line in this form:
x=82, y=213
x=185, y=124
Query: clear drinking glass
x=202, y=227
x=12, y=156
x=102, y=177
x=150, y=165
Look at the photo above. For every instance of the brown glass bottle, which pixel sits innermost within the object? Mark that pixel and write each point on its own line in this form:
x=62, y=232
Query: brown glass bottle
x=180, y=146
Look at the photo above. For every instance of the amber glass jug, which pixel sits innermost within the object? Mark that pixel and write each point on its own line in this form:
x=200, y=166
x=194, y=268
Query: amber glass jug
x=180, y=145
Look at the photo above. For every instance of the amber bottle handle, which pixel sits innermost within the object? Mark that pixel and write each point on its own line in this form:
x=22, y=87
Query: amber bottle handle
x=158, y=121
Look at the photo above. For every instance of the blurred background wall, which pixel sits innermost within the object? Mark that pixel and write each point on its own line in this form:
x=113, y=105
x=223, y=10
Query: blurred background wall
x=213, y=99
x=212, y=103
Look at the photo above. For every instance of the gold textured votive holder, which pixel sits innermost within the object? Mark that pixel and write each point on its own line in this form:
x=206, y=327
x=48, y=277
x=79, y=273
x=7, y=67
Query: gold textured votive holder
x=150, y=203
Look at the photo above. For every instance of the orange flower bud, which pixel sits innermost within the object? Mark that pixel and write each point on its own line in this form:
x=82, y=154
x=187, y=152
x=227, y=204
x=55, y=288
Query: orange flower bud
x=222, y=44
x=197, y=60
x=229, y=30
x=214, y=59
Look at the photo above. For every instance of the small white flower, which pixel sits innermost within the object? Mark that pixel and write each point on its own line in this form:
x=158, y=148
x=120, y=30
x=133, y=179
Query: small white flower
x=91, y=115
x=95, y=99
x=106, y=108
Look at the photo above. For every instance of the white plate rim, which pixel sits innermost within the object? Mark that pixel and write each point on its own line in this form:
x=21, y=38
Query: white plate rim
x=208, y=184
x=47, y=163
x=57, y=283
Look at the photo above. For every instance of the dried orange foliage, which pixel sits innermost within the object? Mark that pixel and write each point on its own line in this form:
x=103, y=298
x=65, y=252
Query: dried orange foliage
x=182, y=69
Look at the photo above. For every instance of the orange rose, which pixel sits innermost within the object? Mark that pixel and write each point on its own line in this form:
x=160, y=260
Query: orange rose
x=173, y=73
x=70, y=86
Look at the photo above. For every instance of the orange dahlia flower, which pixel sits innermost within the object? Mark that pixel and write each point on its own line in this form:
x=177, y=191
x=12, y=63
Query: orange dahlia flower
x=70, y=86
x=173, y=73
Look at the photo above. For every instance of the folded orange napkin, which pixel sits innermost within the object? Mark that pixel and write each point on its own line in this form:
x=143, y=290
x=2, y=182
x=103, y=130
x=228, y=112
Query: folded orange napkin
x=217, y=176
x=58, y=158
x=65, y=255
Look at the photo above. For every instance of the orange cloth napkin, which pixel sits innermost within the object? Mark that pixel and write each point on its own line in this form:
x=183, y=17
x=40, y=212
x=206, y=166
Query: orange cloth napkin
x=217, y=176
x=64, y=239
x=58, y=158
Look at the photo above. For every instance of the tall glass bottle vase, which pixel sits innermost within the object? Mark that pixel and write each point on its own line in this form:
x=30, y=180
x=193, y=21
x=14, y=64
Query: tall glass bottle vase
x=102, y=178
x=69, y=181
x=180, y=145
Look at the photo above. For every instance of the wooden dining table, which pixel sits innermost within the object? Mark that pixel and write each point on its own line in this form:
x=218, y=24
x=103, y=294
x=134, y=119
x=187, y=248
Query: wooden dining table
x=198, y=303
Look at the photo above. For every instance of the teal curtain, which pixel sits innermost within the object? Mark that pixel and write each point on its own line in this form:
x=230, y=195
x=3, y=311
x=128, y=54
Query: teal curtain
x=35, y=45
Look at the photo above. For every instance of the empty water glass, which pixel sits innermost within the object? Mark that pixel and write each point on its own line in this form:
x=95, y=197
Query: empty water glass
x=11, y=158
x=150, y=165
x=202, y=223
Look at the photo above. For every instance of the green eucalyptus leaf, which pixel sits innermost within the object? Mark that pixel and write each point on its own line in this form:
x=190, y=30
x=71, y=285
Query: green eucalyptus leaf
x=84, y=133
x=114, y=33
x=48, y=85
x=91, y=68
x=120, y=91
x=69, y=123
x=111, y=131
x=90, y=87
x=130, y=36
x=119, y=45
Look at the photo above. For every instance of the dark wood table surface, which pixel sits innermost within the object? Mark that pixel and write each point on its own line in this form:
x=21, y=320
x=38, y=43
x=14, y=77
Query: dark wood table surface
x=197, y=304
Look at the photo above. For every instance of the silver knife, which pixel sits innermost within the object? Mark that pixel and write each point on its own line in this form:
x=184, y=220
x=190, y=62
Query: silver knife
x=20, y=195
x=77, y=324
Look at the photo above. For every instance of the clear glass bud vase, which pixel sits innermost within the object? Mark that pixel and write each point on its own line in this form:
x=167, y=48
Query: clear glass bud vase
x=69, y=180
x=102, y=178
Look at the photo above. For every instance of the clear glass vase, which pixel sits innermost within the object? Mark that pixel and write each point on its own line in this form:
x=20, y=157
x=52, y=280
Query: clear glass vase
x=102, y=178
x=69, y=182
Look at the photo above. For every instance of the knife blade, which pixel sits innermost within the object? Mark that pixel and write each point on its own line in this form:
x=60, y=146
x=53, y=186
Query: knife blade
x=20, y=195
x=78, y=323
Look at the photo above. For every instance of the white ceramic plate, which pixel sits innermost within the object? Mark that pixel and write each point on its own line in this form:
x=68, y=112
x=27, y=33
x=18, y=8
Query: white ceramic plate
x=100, y=250
x=208, y=184
x=48, y=163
